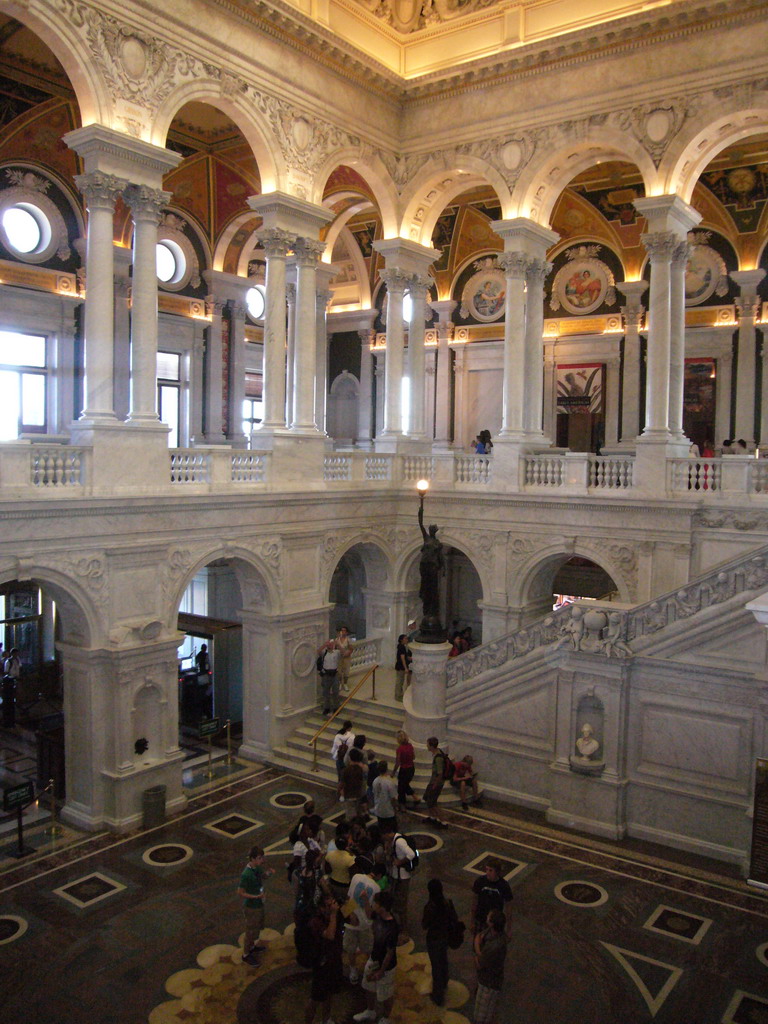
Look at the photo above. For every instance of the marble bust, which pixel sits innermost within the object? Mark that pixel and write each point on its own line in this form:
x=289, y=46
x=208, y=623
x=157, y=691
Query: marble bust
x=586, y=744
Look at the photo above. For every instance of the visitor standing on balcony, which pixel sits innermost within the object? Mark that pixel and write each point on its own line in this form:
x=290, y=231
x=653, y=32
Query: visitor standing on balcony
x=331, y=656
x=345, y=647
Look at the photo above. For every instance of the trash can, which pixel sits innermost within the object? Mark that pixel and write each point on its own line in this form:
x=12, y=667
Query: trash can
x=153, y=806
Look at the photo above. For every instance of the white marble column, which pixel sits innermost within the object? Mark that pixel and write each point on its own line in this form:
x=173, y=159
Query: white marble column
x=611, y=401
x=747, y=308
x=213, y=391
x=677, y=339
x=444, y=383
x=237, y=314
x=277, y=244
x=536, y=274
x=632, y=313
x=307, y=252
x=100, y=192
x=396, y=283
x=514, y=266
x=324, y=275
x=660, y=246
x=290, y=339
x=417, y=356
x=365, y=398
x=146, y=205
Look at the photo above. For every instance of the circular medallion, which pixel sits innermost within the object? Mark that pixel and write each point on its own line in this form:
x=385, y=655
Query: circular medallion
x=289, y=800
x=133, y=57
x=425, y=842
x=302, y=133
x=11, y=928
x=512, y=155
x=303, y=659
x=581, y=894
x=166, y=855
x=657, y=125
x=702, y=274
x=484, y=294
x=582, y=285
x=281, y=998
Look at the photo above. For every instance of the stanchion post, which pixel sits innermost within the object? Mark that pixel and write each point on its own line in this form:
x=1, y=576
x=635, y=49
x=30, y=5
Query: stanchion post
x=373, y=694
x=53, y=829
x=229, y=742
x=209, y=773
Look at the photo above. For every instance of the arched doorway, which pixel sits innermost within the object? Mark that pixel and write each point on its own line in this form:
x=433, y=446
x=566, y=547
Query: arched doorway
x=563, y=578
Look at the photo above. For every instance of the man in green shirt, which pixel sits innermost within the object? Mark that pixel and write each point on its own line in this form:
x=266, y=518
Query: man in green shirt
x=251, y=891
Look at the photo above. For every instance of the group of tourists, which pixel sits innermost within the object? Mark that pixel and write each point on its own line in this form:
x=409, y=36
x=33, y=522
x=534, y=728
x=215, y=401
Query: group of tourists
x=351, y=917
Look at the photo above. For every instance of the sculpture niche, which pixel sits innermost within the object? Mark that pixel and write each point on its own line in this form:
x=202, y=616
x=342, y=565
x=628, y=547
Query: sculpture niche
x=431, y=567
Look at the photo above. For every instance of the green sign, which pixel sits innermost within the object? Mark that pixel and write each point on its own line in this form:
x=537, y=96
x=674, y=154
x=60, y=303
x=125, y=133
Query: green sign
x=18, y=796
x=208, y=727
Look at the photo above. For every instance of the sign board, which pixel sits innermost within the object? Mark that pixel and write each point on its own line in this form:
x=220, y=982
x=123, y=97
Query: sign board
x=18, y=796
x=758, y=864
x=208, y=727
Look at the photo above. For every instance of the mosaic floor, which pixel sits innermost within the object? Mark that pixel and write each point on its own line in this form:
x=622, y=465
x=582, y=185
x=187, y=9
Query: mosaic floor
x=145, y=927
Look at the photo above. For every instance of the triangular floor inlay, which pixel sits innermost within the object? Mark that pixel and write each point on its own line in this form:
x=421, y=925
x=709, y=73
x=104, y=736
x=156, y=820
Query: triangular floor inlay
x=648, y=975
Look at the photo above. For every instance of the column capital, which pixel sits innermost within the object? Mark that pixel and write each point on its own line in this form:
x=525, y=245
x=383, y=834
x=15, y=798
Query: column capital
x=681, y=254
x=521, y=234
x=104, y=149
x=100, y=190
x=514, y=265
x=633, y=316
x=237, y=310
x=276, y=242
x=660, y=245
x=146, y=203
x=747, y=306
x=668, y=213
x=308, y=251
x=395, y=280
x=366, y=336
x=421, y=282
x=537, y=271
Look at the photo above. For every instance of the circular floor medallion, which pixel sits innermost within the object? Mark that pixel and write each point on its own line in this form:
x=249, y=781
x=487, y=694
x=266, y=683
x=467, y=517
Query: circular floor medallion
x=581, y=894
x=11, y=928
x=289, y=800
x=425, y=842
x=167, y=855
x=762, y=954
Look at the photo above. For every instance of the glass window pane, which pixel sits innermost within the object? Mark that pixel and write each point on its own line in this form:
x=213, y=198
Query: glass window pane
x=9, y=405
x=168, y=365
x=169, y=412
x=33, y=400
x=21, y=228
x=22, y=349
x=166, y=262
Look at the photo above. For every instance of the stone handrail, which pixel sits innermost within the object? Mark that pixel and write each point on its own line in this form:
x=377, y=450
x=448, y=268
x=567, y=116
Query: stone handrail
x=365, y=653
x=740, y=576
x=609, y=472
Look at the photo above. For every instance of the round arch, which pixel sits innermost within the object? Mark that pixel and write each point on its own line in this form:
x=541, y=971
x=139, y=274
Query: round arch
x=374, y=173
x=427, y=195
x=257, y=585
x=379, y=560
x=69, y=48
x=458, y=583
x=542, y=182
x=536, y=576
x=77, y=608
x=270, y=162
x=704, y=139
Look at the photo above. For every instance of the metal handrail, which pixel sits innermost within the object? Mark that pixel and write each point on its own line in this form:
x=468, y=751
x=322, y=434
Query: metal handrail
x=313, y=742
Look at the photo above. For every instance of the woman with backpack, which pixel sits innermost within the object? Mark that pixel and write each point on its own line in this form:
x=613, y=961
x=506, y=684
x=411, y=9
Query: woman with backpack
x=342, y=743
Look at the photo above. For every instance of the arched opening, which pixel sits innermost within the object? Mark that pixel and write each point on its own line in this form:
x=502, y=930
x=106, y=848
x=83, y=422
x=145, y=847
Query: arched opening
x=219, y=608
x=562, y=578
x=356, y=584
x=461, y=592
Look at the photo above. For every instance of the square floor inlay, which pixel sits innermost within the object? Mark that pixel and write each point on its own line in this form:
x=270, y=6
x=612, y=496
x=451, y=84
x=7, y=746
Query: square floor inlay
x=509, y=867
x=233, y=825
x=89, y=889
x=745, y=1008
x=678, y=924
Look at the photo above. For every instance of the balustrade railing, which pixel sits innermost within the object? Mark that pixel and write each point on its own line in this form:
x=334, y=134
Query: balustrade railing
x=248, y=467
x=694, y=474
x=337, y=467
x=758, y=477
x=378, y=467
x=610, y=472
x=544, y=470
x=189, y=466
x=364, y=653
x=418, y=467
x=57, y=466
x=472, y=469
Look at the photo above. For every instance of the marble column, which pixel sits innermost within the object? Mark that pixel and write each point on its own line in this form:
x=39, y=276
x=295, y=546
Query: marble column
x=307, y=253
x=237, y=314
x=677, y=339
x=661, y=246
x=290, y=341
x=277, y=244
x=632, y=313
x=365, y=397
x=213, y=359
x=747, y=308
x=536, y=274
x=611, y=401
x=444, y=383
x=323, y=296
x=514, y=266
x=100, y=192
x=396, y=283
x=417, y=356
x=146, y=204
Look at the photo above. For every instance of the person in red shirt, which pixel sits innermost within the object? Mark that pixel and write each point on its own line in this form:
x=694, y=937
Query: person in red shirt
x=404, y=769
x=463, y=776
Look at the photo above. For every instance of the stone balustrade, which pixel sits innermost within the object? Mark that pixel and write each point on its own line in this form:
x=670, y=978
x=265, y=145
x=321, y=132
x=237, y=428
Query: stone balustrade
x=43, y=469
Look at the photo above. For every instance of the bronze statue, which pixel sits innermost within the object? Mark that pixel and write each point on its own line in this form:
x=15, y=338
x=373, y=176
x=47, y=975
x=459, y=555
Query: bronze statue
x=431, y=565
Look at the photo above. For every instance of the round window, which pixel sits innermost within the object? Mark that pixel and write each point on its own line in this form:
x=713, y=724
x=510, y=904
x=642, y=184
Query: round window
x=171, y=262
x=254, y=300
x=27, y=229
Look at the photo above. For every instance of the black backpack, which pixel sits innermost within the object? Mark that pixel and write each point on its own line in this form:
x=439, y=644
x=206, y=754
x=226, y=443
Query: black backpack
x=319, y=663
x=412, y=863
x=456, y=928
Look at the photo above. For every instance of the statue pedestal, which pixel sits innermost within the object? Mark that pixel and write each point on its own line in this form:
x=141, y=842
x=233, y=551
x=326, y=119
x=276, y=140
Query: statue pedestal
x=424, y=700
